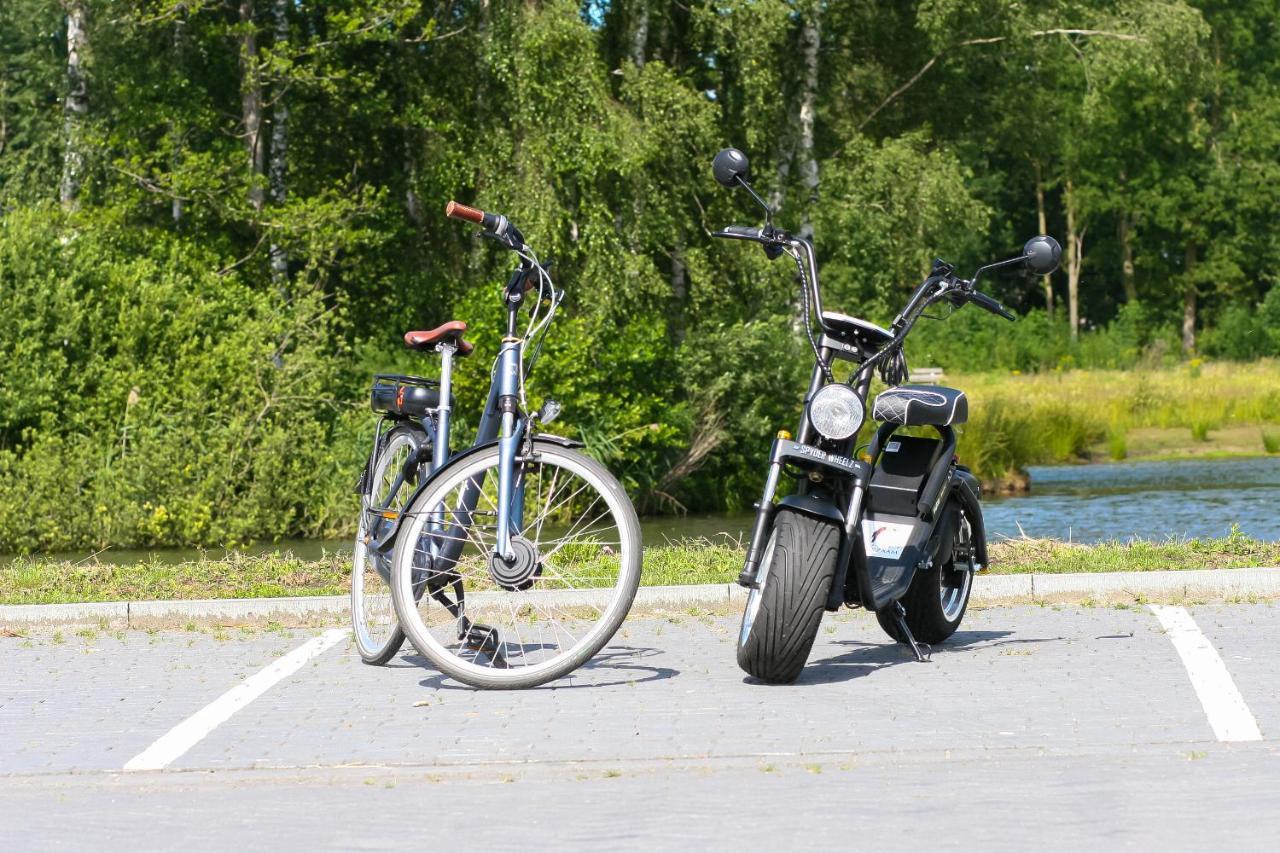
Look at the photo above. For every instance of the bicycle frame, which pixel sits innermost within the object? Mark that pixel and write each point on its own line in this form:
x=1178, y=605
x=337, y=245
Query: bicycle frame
x=502, y=421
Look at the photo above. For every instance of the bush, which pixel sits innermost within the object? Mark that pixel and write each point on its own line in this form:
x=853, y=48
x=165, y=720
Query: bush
x=973, y=341
x=1246, y=332
x=176, y=406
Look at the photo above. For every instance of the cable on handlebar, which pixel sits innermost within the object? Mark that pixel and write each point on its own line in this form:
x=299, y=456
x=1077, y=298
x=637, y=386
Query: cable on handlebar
x=808, y=322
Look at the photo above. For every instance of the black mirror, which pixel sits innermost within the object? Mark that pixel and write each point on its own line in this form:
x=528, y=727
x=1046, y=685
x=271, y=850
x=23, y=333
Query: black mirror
x=730, y=166
x=1041, y=254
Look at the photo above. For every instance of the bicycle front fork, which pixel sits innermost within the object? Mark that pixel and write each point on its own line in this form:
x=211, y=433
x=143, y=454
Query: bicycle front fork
x=510, y=493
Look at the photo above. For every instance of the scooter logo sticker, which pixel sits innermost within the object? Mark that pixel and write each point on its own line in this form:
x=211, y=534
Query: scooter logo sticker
x=885, y=539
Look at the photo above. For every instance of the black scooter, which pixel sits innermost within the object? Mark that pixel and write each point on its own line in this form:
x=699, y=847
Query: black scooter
x=901, y=534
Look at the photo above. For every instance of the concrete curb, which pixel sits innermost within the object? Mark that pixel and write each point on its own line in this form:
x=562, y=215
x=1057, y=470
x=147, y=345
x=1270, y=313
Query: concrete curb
x=1192, y=583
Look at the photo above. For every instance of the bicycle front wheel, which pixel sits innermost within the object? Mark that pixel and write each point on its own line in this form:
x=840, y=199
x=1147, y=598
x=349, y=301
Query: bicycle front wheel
x=492, y=622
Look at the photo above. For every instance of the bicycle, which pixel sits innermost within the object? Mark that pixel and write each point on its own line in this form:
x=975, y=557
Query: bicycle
x=513, y=562
x=410, y=442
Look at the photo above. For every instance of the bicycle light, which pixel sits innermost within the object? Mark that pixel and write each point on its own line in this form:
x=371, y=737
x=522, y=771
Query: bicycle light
x=836, y=412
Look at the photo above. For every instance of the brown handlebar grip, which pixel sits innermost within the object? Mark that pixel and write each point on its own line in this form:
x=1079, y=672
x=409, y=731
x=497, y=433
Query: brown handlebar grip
x=453, y=210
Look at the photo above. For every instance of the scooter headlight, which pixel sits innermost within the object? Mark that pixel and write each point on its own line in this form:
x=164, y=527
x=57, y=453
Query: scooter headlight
x=836, y=412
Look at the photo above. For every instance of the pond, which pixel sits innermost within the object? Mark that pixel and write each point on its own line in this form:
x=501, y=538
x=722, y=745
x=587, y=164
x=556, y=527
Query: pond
x=1080, y=503
x=1151, y=500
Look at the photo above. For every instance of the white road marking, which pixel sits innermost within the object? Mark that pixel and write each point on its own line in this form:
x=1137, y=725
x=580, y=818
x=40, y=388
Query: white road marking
x=1228, y=714
x=195, y=728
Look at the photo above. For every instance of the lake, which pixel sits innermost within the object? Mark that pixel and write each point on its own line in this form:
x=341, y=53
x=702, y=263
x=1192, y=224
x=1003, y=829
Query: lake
x=1080, y=503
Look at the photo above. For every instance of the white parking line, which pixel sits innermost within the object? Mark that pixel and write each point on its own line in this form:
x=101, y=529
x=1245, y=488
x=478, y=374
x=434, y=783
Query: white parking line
x=195, y=728
x=1223, y=705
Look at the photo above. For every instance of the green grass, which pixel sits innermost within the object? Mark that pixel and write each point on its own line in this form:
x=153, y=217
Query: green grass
x=1117, y=443
x=1271, y=441
x=37, y=581
x=1051, y=556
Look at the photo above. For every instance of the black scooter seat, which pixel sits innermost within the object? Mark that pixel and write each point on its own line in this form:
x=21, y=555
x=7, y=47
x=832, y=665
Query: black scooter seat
x=921, y=405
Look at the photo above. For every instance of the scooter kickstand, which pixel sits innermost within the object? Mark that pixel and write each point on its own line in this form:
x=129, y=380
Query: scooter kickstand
x=900, y=617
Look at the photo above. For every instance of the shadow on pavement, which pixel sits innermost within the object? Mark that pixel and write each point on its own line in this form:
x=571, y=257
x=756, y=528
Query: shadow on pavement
x=613, y=659
x=865, y=658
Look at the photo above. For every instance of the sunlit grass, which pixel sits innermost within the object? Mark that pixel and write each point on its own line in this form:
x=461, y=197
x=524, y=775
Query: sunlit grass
x=36, y=581
x=1065, y=416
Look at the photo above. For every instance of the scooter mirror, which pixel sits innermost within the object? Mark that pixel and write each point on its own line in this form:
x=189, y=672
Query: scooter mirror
x=1042, y=254
x=729, y=166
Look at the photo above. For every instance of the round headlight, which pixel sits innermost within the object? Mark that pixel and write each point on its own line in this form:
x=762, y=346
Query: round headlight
x=836, y=412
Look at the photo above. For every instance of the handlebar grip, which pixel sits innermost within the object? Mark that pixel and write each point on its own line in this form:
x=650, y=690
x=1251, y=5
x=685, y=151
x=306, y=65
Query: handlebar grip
x=984, y=301
x=453, y=210
x=494, y=223
x=742, y=232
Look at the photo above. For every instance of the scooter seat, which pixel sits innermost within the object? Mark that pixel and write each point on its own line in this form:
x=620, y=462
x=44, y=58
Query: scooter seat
x=921, y=405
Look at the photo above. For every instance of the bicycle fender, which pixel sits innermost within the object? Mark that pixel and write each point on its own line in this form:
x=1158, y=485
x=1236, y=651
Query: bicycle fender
x=385, y=544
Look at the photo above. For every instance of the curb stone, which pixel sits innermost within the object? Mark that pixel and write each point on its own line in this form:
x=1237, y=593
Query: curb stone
x=1207, y=583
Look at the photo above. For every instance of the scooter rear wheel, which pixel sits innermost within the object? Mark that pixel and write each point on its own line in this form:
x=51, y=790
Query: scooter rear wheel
x=938, y=598
x=783, y=611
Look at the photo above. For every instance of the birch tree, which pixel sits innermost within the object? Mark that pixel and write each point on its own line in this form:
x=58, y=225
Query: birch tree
x=75, y=107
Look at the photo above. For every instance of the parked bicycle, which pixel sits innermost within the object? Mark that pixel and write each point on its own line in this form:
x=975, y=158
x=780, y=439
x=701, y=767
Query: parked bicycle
x=509, y=564
x=901, y=534
x=410, y=442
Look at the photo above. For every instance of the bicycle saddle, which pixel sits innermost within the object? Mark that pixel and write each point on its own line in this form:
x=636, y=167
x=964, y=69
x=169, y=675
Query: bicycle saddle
x=450, y=332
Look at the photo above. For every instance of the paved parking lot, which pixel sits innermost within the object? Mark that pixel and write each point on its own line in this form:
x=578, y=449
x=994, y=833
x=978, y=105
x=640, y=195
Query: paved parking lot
x=1057, y=726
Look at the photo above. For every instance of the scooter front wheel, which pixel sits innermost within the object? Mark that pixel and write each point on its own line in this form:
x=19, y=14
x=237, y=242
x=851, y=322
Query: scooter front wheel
x=785, y=607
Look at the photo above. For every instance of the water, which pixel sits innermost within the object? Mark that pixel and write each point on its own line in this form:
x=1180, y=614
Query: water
x=1151, y=500
x=1084, y=503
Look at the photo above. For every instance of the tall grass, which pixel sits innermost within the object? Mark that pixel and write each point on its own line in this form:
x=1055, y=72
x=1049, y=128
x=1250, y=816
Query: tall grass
x=1020, y=420
x=1117, y=442
x=1271, y=441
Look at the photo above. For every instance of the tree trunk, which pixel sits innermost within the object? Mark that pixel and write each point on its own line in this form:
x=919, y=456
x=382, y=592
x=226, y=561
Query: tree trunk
x=1125, y=226
x=176, y=206
x=1189, y=302
x=280, y=148
x=810, y=43
x=640, y=32
x=251, y=101
x=1075, y=258
x=1045, y=281
x=679, y=290
x=76, y=106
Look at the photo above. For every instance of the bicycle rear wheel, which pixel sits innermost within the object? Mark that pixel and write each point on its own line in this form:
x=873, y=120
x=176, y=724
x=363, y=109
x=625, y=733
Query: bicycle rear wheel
x=495, y=623
x=373, y=619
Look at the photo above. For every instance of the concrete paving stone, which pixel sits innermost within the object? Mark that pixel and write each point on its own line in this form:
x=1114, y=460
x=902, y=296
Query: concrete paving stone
x=1247, y=637
x=1030, y=676
x=1152, y=799
x=93, y=701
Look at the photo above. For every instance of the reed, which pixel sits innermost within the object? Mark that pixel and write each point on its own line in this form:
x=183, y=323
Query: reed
x=1271, y=441
x=1117, y=442
x=1054, y=417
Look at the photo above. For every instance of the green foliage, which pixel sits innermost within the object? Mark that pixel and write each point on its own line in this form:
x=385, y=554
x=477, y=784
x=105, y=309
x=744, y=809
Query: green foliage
x=175, y=406
x=186, y=342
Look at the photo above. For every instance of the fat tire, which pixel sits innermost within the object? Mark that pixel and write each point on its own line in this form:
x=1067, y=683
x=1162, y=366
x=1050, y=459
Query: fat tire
x=378, y=655
x=923, y=603
x=794, y=596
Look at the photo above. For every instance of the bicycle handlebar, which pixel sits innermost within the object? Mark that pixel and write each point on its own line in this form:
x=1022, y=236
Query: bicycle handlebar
x=492, y=222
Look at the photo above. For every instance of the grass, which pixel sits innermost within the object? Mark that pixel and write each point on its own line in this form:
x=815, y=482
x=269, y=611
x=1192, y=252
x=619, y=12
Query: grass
x=1087, y=415
x=37, y=581
x=1271, y=440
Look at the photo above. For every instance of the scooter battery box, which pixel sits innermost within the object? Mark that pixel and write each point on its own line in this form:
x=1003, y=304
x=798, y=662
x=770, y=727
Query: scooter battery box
x=893, y=545
x=900, y=474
